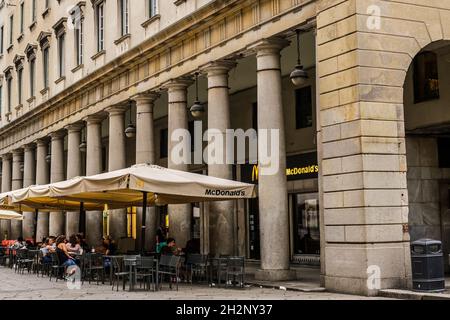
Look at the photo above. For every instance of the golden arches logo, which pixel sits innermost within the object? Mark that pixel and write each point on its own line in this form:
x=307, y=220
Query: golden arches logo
x=255, y=173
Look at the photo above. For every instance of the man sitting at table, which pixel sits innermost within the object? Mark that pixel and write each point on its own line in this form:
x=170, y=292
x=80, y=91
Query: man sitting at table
x=171, y=248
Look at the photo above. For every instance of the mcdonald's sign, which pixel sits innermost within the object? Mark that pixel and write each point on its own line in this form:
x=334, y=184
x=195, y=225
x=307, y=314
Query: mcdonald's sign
x=298, y=167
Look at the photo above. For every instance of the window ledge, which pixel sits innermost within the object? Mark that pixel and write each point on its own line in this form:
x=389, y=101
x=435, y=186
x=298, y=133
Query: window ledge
x=122, y=38
x=150, y=20
x=31, y=99
x=178, y=2
x=78, y=67
x=98, y=54
x=60, y=79
x=45, y=90
x=32, y=25
x=46, y=12
x=9, y=48
x=18, y=107
x=20, y=37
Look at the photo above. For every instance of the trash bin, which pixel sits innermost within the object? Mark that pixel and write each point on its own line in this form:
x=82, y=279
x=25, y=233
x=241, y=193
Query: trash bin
x=427, y=265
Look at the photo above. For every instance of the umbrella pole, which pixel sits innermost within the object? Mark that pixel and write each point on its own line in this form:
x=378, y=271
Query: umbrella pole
x=82, y=220
x=144, y=214
x=35, y=222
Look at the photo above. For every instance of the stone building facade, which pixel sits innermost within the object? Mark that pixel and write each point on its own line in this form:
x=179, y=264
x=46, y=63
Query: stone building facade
x=369, y=117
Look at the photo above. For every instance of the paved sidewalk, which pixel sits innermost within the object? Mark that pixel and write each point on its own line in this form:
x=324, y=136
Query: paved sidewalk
x=28, y=286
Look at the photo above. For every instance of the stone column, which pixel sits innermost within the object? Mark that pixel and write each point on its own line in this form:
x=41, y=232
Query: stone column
x=29, y=179
x=56, y=221
x=145, y=153
x=180, y=216
x=17, y=183
x=6, y=186
x=42, y=178
x=73, y=170
x=221, y=224
x=273, y=198
x=94, y=219
x=117, y=160
x=363, y=162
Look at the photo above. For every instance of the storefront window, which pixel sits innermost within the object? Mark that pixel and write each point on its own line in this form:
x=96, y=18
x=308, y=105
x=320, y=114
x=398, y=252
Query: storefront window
x=306, y=225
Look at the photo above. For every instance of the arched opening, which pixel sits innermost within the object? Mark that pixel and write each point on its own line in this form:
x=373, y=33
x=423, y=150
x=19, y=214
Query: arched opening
x=427, y=131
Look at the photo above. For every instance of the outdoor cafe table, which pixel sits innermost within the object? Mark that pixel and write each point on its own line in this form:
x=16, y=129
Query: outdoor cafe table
x=132, y=263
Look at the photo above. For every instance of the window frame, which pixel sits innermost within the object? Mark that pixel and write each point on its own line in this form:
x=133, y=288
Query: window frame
x=100, y=25
x=300, y=114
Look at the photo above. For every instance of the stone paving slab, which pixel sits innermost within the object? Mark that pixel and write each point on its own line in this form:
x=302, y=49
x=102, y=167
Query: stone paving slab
x=29, y=286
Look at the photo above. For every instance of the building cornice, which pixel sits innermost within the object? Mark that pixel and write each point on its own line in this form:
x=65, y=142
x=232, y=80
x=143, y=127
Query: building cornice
x=156, y=47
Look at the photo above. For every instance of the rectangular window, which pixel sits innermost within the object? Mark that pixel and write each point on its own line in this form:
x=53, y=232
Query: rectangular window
x=303, y=108
x=443, y=145
x=61, y=44
x=163, y=143
x=21, y=17
x=46, y=4
x=2, y=32
x=1, y=99
x=100, y=27
x=426, y=77
x=45, y=54
x=19, y=84
x=33, y=11
x=9, y=84
x=124, y=18
x=11, y=31
x=32, y=76
x=152, y=8
x=255, y=116
x=79, y=42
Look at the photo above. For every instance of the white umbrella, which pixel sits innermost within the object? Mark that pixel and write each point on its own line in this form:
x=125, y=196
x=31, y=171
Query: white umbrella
x=10, y=215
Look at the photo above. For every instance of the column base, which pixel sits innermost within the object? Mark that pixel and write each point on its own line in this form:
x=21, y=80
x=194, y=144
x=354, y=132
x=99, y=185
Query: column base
x=359, y=286
x=275, y=275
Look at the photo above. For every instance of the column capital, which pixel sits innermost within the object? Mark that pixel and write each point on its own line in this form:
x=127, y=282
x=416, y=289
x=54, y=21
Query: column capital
x=74, y=127
x=17, y=152
x=145, y=97
x=41, y=142
x=94, y=118
x=6, y=156
x=29, y=147
x=219, y=67
x=57, y=135
x=178, y=84
x=117, y=109
x=269, y=46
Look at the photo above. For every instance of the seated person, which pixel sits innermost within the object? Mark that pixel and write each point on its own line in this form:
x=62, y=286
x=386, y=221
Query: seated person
x=19, y=244
x=171, y=248
x=73, y=246
x=47, y=248
x=110, y=249
x=64, y=257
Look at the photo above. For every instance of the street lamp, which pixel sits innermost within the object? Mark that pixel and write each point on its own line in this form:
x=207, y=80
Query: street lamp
x=197, y=110
x=298, y=76
x=130, y=131
x=83, y=144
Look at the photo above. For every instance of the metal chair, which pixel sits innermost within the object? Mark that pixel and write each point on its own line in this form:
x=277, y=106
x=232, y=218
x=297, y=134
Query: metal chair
x=23, y=261
x=3, y=256
x=56, y=269
x=170, y=266
x=145, y=269
x=197, y=264
x=235, y=270
x=92, y=264
x=119, y=271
